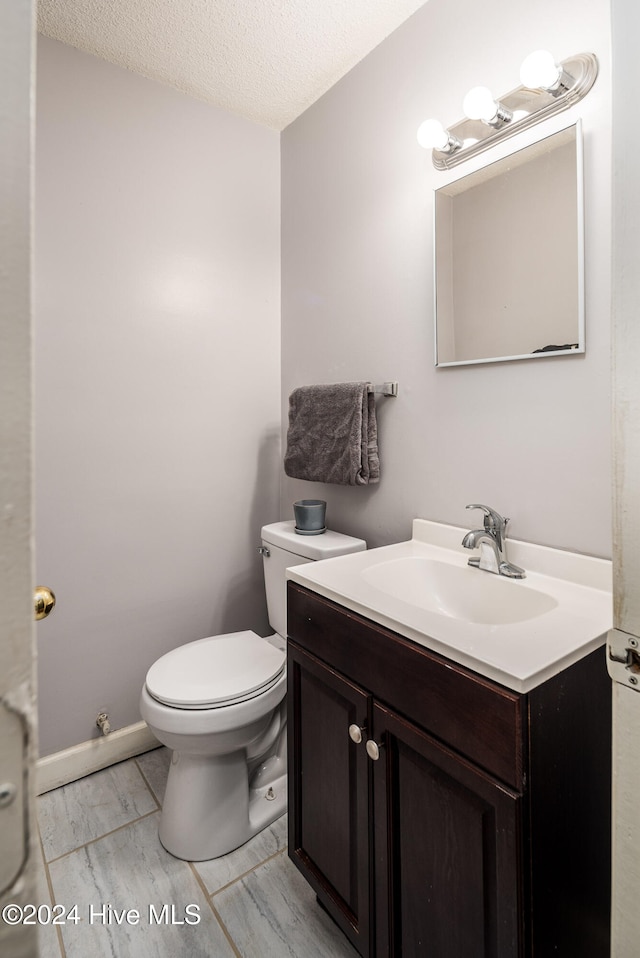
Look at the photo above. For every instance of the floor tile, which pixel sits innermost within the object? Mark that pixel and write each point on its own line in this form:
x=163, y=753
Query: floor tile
x=220, y=871
x=155, y=768
x=87, y=809
x=129, y=869
x=273, y=913
x=48, y=940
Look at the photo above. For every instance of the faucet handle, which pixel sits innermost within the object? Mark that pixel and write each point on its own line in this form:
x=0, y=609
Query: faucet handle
x=493, y=521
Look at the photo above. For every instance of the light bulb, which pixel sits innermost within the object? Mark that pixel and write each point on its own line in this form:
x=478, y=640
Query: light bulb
x=479, y=104
x=540, y=71
x=432, y=135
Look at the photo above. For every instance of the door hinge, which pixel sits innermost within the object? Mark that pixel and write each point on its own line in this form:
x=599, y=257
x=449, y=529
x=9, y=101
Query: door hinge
x=13, y=819
x=623, y=658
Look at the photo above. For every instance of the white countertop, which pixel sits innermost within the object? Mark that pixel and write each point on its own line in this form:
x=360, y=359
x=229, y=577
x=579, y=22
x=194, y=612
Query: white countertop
x=517, y=654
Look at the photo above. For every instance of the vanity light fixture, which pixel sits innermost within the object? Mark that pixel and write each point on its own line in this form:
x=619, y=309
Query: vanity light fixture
x=548, y=87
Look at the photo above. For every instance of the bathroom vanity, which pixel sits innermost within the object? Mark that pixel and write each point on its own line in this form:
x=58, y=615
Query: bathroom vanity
x=436, y=811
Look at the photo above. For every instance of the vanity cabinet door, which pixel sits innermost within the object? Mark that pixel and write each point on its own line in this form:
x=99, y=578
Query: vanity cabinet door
x=446, y=851
x=329, y=791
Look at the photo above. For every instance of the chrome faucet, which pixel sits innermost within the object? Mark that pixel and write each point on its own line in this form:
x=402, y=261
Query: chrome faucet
x=491, y=540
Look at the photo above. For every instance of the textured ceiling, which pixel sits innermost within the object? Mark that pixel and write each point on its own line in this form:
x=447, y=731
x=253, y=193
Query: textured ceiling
x=266, y=60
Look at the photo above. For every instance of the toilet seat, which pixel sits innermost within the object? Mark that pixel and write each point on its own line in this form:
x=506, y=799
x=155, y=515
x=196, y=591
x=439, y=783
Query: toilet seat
x=217, y=671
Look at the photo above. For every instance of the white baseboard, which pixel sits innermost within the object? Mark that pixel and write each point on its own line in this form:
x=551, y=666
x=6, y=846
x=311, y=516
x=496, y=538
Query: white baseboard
x=66, y=766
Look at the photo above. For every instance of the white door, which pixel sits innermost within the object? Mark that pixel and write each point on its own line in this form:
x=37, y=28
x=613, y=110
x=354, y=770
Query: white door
x=624, y=641
x=17, y=700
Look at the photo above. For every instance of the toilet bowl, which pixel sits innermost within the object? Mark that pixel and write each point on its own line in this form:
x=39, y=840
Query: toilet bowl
x=219, y=704
x=210, y=805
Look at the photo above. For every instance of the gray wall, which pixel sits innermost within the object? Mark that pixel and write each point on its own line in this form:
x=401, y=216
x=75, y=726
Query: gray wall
x=157, y=379
x=530, y=438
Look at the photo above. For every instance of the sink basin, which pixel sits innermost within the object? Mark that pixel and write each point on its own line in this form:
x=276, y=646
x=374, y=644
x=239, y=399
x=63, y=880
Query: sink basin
x=518, y=632
x=458, y=591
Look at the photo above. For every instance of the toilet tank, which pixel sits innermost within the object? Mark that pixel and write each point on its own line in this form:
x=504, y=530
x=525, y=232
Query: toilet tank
x=286, y=547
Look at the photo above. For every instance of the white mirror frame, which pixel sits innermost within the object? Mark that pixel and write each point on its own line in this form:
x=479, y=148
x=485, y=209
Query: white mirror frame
x=580, y=262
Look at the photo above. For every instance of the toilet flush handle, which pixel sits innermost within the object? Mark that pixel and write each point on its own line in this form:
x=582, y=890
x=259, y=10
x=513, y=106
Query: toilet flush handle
x=263, y=551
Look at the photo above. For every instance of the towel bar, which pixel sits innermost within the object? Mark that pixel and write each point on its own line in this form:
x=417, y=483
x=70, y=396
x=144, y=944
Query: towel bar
x=384, y=389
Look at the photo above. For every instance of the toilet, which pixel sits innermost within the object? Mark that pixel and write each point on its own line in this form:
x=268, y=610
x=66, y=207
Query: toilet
x=219, y=704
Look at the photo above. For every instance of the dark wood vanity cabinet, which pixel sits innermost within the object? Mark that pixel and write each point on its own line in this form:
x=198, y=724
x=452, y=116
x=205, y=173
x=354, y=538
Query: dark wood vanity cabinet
x=436, y=813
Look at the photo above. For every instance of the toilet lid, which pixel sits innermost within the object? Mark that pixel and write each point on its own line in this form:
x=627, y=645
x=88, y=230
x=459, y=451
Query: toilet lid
x=219, y=670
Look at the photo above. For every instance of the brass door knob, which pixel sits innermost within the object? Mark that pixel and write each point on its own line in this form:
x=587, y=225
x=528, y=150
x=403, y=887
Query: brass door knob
x=43, y=601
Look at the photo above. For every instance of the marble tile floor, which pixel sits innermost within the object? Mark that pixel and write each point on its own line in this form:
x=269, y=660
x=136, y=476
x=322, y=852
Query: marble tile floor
x=101, y=853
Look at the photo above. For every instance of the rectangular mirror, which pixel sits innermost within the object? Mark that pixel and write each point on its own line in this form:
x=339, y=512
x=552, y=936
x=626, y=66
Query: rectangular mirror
x=509, y=257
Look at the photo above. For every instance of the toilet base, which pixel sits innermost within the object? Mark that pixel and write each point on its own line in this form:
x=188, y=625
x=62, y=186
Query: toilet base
x=266, y=804
x=210, y=808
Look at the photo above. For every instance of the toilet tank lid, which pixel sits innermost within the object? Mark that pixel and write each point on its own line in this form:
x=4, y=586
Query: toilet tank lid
x=324, y=546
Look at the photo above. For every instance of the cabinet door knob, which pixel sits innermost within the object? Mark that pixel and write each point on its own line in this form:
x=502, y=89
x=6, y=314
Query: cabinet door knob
x=373, y=749
x=355, y=733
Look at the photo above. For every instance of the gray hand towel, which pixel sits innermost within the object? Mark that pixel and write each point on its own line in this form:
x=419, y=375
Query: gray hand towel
x=333, y=434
